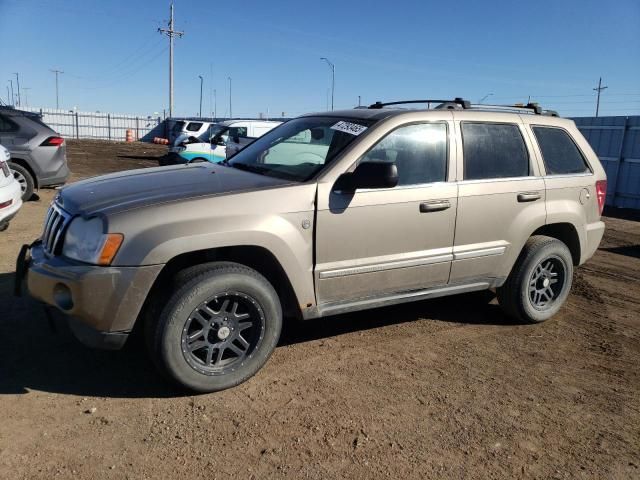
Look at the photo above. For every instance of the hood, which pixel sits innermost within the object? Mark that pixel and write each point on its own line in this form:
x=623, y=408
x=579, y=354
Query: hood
x=139, y=188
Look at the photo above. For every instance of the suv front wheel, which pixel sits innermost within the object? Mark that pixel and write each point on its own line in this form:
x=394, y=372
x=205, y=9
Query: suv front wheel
x=539, y=282
x=218, y=329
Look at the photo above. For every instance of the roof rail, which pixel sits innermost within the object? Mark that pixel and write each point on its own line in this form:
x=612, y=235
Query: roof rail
x=459, y=101
x=466, y=105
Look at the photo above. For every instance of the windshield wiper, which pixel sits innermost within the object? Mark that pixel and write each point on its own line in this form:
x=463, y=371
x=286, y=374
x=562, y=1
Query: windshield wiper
x=247, y=167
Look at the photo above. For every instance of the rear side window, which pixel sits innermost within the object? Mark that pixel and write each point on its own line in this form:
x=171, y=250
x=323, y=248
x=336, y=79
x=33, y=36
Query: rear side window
x=7, y=125
x=194, y=126
x=560, y=154
x=493, y=150
x=240, y=132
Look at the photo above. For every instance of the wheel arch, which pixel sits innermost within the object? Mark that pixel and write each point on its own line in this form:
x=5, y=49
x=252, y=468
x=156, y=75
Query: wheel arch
x=256, y=257
x=565, y=232
x=25, y=164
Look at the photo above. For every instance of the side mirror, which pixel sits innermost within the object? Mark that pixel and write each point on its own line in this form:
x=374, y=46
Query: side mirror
x=219, y=141
x=369, y=175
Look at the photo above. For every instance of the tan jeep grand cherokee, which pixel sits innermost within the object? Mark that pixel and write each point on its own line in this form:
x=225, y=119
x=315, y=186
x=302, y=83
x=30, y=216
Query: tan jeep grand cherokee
x=328, y=213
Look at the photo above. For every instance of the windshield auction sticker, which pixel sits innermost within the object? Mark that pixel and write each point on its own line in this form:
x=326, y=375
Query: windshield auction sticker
x=348, y=127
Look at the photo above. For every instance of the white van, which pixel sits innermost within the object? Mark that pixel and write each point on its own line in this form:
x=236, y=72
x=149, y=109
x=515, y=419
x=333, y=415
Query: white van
x=193, y=128
x=219, y=142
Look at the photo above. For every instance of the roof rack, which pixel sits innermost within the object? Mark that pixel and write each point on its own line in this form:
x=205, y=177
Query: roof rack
x=459, y=103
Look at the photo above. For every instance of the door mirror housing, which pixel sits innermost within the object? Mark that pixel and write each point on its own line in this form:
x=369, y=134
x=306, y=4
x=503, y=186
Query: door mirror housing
x=369, y=175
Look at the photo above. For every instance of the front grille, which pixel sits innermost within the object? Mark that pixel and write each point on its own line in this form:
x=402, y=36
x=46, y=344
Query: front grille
x=54, y=226
x=5, y=168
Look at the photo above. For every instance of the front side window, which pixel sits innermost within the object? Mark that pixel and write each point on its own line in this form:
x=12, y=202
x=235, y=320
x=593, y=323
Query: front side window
x=493, y=150
x=560, y=154
x=419, y=152
x=194, y=126
x=299, y=149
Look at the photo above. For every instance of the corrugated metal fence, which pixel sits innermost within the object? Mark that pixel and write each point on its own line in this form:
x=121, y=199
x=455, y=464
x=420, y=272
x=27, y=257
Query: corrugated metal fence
x=97, y=125
x=616, y=140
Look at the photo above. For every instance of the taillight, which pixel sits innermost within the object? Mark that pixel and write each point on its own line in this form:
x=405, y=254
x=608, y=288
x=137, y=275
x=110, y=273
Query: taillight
x=601, y=193
x=52, y=142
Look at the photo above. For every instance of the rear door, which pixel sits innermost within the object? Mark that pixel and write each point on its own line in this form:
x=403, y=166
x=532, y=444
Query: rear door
x=501, y=197
x=376, y=242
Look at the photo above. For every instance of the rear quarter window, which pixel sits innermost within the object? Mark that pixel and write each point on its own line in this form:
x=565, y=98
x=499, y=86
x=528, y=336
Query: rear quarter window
x=7, y=125
x=559, y=152
x=493, y=150
x=194, y=126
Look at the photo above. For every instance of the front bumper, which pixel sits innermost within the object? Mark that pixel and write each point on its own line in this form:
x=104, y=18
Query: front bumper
x=103, y=303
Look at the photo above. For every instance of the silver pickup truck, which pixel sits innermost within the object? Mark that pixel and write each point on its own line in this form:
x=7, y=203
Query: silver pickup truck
x=328, y=213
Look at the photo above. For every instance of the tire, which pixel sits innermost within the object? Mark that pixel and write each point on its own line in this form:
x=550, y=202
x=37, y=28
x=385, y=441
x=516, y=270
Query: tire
x=24, y=177
x=529, y=294
x=202, y=340
x=4, y=226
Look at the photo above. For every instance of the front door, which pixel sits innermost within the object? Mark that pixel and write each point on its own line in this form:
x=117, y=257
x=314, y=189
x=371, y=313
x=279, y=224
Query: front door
x=376, y=242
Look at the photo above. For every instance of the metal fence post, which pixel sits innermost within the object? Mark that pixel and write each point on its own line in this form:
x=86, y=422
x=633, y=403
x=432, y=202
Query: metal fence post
x=77, y=127
x=109, y=124
x=619, y=161
x=137, y=129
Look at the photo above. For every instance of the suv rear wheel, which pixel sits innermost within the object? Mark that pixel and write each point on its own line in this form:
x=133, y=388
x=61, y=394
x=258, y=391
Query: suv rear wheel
x=540, y=281
x=24, y=178
x=218, y=329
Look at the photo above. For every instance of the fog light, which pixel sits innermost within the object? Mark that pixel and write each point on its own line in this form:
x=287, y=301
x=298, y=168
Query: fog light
x=62, y=296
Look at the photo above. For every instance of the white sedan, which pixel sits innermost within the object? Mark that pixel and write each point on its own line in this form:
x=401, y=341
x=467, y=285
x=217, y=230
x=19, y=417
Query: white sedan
x=10, y=193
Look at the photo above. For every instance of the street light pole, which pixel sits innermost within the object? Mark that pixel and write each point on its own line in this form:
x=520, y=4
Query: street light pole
x=333, y=77
x=200, y=76
x=13, y=101
x=18, y=85
x=230, y=109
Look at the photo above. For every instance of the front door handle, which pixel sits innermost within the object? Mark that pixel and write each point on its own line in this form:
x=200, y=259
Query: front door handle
x=529, y=196
x=435, y=206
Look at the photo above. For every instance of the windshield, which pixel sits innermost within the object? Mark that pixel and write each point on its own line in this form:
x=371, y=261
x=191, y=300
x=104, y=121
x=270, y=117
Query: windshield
x=299, y=149
x=213, y=130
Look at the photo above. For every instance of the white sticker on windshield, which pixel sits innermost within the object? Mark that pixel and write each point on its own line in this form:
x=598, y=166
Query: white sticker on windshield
x=348, y=127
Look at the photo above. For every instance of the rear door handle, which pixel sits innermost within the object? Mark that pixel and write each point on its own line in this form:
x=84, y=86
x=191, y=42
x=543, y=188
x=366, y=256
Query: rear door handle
x=529, y=196
x=435, y=206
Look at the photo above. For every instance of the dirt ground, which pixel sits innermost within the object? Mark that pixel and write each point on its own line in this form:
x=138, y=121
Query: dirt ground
x=442, y=389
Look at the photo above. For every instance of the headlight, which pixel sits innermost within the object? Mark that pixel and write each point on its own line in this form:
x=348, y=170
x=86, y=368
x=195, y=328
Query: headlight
x=86, y=242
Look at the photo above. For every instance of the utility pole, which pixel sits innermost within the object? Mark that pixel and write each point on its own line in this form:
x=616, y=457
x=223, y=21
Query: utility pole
x=18, y=85
x=359, y=104
x=230, y=110
x=598, y=89
x=171, y=33
x=13, y=100
x=333, y=77
x=9, y=102
x=200, y=76
x=57, y=98
x=215, y=104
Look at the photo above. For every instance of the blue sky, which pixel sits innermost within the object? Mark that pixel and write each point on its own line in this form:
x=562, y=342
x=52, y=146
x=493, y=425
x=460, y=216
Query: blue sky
x=114, y=59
